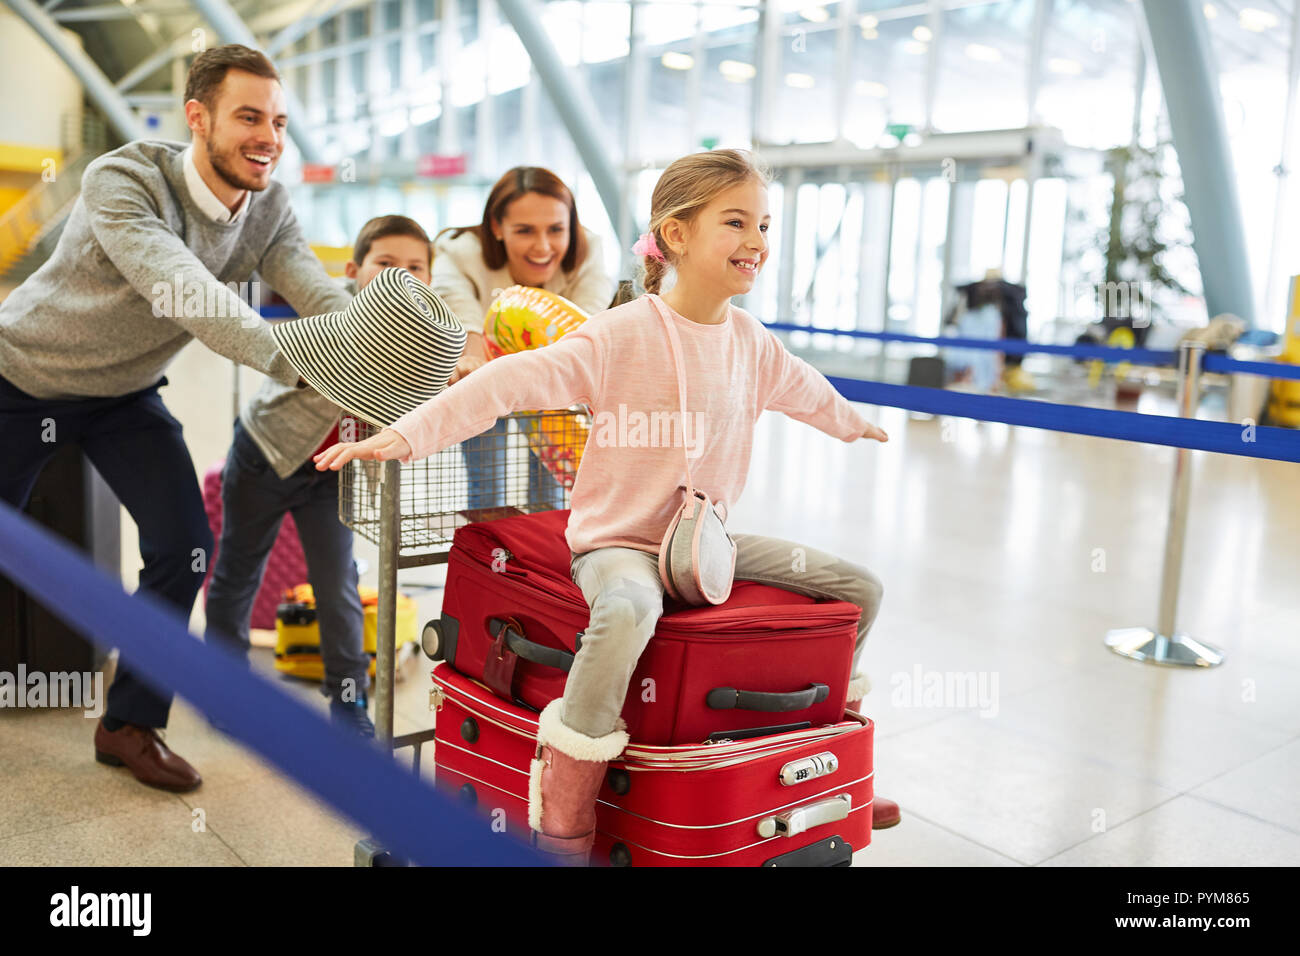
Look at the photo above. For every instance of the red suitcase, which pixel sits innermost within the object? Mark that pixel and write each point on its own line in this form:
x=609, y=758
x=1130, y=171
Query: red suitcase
x=286, y=567
x=768, y=659
x=800, y=798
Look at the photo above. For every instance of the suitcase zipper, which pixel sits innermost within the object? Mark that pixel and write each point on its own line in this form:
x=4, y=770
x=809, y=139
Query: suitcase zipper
x=704, y=856
x=804, y=800
x=543, y=596
x=648, y=758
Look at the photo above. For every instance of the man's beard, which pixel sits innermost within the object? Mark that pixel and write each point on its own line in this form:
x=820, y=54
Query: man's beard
x=224, y=170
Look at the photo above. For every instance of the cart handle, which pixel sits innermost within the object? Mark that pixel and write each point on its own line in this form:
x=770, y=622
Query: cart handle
x=529, y=650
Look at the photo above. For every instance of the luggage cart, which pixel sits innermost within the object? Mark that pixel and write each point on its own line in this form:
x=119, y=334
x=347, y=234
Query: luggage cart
x=411, y=512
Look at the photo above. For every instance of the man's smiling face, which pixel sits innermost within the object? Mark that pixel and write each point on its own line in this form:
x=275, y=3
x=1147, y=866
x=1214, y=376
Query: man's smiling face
x=244, y=131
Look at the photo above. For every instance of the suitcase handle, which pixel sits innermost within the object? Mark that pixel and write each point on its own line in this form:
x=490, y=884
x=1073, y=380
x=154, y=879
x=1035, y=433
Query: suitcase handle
x=728, y=698
x=530, y=651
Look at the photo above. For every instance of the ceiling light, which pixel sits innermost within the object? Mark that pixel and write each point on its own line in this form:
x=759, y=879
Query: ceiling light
x=869, y=33
x=1064, y=67
x=677, y=61
x=800, y=81
x=1211, y=11
x=736, y=71
x=815, y=14
x=1257, y=21
x=871, y=88
x=915, y=47
x=868, y=22
x=985, y=54
x=923, y=33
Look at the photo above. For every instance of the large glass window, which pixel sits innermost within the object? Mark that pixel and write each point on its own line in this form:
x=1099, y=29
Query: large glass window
x=983, y=66
x=1089, y=79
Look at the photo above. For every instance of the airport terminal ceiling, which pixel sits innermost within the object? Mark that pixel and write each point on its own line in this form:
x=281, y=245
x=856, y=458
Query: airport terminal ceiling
x=382, y=84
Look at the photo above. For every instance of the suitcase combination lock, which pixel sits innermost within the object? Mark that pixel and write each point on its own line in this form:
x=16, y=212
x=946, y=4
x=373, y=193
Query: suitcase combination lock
x=796, y=821
x=818, y=765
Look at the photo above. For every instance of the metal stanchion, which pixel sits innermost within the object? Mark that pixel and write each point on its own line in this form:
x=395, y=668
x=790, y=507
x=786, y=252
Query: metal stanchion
x=390, y=524
x=369, y=851
x=1165, y=645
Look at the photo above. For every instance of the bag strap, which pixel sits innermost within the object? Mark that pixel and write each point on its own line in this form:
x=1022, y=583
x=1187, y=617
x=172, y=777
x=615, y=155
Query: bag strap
x=676, y=345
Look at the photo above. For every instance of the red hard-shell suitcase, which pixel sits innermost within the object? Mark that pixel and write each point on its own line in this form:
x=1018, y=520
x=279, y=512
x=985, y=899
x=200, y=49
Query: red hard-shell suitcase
x=767, y=658
x=286, y=567
x=800, y=798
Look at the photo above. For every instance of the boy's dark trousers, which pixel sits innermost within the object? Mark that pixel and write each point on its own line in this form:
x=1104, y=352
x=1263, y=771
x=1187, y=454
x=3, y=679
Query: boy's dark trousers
x=254, y=501
x=136, y=446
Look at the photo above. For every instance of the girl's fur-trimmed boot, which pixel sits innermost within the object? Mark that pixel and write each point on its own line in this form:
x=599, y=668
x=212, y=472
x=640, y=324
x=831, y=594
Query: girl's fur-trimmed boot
x=563, y=781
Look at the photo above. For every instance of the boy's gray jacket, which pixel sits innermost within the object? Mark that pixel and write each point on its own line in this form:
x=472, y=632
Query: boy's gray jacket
x=130, y=282
x=288, y=424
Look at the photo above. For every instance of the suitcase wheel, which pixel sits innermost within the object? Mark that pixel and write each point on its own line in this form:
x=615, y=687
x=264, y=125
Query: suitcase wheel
x=619, y=781
x=468, y=795
x=469, y=730
x=620, y=855
x=431, y=640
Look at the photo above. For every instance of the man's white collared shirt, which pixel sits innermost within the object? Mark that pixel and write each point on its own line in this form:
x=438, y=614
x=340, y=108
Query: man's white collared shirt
x=204, y=197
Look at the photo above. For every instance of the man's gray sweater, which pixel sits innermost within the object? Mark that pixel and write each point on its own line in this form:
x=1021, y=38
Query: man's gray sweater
x=140, y=270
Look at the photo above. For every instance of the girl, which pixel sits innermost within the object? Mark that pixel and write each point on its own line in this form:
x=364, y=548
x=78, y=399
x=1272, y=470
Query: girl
x=529, y=235
x=708, y=223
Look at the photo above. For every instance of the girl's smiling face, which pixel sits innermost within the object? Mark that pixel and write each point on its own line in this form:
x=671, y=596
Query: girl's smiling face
x=725, y=245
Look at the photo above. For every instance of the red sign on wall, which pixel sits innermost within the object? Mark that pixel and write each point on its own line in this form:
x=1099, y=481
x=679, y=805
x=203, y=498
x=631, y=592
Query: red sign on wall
x=435, y=165
x=317, y=173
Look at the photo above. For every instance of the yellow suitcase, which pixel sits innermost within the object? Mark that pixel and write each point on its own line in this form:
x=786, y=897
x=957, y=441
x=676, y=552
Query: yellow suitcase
x=297, y=633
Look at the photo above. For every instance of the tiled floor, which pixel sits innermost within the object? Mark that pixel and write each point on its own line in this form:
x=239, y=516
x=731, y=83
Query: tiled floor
x=1006, y=555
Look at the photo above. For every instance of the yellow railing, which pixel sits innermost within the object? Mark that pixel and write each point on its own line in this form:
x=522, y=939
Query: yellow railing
x=24, y=222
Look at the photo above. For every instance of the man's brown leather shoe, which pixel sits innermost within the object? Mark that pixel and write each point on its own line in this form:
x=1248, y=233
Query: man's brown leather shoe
x=142, y=751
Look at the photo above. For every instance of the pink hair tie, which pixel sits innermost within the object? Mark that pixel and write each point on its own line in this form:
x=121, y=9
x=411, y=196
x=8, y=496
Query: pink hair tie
x=646, y=246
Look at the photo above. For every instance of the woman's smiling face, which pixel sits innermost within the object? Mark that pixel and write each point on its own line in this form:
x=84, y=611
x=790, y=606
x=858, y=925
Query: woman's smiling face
x=535, y=230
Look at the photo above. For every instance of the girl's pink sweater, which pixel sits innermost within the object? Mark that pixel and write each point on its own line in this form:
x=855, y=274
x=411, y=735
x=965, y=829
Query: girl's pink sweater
x=620, y=364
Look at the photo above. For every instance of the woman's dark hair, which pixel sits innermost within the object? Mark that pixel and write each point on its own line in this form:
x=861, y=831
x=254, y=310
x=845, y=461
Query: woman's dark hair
x=516, y=183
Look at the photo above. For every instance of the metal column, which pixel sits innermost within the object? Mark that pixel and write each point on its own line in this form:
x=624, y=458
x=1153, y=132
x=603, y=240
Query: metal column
x=448, y=49
x=571, y=102
x=232, y=29
x=789, y=213
x=1190, y=80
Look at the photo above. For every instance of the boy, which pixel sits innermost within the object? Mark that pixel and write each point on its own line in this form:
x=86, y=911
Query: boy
x=269, y=472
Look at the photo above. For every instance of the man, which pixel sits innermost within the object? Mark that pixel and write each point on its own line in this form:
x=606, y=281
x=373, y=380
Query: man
x=141, y=268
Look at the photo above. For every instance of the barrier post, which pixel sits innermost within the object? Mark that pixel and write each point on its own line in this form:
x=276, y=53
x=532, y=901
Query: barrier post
x=1165, y=645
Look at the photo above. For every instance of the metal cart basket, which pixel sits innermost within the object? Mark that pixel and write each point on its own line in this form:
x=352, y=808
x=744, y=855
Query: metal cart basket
x=411, y=511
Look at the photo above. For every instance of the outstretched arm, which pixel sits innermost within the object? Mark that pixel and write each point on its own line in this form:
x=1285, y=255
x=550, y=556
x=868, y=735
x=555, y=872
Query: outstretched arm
x=153, y=259
x=802, y=392
x=557, y=376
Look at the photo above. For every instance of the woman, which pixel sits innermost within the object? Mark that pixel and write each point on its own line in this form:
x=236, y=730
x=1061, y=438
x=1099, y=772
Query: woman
x=530, y=235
